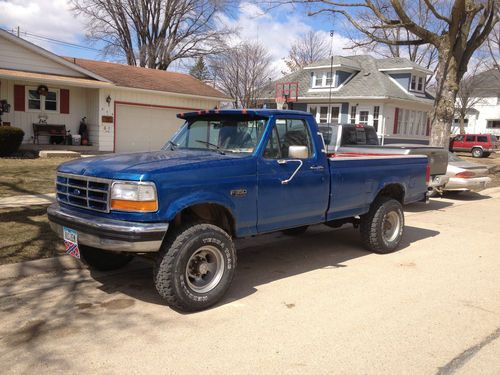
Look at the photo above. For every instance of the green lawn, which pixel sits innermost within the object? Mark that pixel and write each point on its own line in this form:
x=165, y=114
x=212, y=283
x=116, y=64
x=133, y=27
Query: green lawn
x=25, y=234
x=28, y=176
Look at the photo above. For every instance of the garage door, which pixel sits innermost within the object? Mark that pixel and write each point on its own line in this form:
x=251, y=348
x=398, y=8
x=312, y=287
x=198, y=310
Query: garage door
x=144, y=128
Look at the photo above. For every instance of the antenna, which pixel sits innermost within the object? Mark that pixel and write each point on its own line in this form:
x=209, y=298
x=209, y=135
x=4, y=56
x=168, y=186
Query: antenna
x=331, y=76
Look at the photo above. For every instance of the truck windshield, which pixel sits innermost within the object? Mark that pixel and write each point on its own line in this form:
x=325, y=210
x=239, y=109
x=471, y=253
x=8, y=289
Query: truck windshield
x=233, y=134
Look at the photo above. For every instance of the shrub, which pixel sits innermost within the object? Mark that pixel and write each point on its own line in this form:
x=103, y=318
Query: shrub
x=10, y=140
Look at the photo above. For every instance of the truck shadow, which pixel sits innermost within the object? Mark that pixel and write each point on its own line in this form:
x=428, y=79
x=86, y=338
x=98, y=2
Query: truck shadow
x=268, y=258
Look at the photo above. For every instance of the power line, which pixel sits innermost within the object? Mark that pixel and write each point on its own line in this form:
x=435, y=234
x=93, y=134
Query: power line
x=52, y=40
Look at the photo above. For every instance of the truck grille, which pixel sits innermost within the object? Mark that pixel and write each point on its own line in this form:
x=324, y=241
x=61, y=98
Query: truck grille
x=81, y=191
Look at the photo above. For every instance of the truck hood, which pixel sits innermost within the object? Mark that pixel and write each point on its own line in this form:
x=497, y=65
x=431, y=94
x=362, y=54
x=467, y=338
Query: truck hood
x=138, y=164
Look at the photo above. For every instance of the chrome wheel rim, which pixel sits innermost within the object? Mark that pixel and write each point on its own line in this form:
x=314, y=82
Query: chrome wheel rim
x=204, y=269
x=391, y=226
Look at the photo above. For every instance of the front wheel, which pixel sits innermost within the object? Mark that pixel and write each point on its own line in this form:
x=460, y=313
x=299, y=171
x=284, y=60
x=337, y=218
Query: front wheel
x=103, y=260
x=195, y=267
x=382, y=227
x=477, y=152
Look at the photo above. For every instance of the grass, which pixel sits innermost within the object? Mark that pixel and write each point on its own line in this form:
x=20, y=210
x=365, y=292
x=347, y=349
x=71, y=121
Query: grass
x=28, y=176
x=25, y=234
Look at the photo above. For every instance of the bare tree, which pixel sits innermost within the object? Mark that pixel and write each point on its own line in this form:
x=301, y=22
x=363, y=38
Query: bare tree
x=309, y=48
x=242, y=72
x=458, y=29
x=153, y=33
x=493, y=46
x=468, y=97
x=424, y=55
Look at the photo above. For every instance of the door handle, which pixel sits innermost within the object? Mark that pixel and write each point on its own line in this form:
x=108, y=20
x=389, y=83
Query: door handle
x=317, y=167
x=283, y=162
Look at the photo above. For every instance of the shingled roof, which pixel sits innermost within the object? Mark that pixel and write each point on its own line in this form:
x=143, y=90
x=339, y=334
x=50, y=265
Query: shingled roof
x=367, y=82
x=148, y=79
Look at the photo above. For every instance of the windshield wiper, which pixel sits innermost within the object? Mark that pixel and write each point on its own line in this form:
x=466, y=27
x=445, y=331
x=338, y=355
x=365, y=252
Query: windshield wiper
x=173, y=145
x=212, y=145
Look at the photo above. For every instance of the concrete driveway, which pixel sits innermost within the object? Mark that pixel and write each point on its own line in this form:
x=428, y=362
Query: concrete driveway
x=313, y=304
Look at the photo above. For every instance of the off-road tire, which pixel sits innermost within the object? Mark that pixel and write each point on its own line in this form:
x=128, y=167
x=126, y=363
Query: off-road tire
x=103, y=260
x=170, y=271
x=372, y=226
x=295, y=231
x=477, y=152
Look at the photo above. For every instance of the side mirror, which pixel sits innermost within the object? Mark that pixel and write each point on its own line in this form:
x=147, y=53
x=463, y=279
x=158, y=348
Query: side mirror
x=298, y=152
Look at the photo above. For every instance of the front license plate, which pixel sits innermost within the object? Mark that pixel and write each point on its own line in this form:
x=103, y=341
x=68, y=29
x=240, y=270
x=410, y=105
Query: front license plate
x=71, y=242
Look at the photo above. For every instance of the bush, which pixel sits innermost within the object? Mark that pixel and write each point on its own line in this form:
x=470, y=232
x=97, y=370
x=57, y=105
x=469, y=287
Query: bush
x=10, y=140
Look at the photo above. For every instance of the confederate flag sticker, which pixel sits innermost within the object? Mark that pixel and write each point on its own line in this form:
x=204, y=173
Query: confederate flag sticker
x=71, y=242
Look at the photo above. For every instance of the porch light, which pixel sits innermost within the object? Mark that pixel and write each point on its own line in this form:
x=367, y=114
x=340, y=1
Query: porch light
x=108, y=99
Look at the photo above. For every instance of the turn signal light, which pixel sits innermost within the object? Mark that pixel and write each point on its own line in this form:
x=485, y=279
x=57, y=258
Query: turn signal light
x=126, y=205
x=465, y=174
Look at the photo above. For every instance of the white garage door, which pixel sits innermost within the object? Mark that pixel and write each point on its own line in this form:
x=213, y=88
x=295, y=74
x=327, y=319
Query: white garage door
x=144, y=128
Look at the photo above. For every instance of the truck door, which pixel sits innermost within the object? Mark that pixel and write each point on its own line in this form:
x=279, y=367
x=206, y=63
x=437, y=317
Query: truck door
x=293, y=189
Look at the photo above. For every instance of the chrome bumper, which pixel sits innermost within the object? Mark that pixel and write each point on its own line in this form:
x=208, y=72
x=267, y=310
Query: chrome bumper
x=108, y=234
x=438, y=181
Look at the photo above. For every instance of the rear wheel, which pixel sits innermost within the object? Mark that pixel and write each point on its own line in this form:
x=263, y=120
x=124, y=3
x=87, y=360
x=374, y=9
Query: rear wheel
x=103, y=260
x=195, y=267
x=477, y=152
x=382, y=227
x=295, y=231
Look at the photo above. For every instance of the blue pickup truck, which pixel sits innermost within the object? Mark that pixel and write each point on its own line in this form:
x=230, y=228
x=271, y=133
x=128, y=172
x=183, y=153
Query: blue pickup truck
x=226, y=174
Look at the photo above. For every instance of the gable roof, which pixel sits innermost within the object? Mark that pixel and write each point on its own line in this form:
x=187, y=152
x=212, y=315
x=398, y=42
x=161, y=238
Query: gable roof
x=149, y=79
x=49, y=55
x=368, y=82
x=487, y=83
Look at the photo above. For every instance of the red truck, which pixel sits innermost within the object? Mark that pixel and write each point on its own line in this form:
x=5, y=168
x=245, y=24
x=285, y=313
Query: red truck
x=480, y=145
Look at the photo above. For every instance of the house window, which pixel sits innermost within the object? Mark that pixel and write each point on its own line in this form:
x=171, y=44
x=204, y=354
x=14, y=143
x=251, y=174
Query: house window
x=363, y=117
x=323, y=79
x=495, y=124
x=417, y=83
x=323, y=114
x=376, y=111
x=37, y=102
x=412, y=122
x=353, y=115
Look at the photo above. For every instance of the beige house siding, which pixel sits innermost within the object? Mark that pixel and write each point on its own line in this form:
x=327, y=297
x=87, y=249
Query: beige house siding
x=15, y=57
x=106, y=130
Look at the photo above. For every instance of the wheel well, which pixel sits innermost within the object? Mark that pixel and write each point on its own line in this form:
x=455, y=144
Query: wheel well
x=208, y=213
x=395, y=191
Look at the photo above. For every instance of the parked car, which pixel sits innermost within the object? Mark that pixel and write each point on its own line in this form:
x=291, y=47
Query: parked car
x=348, y=139
x=465, y=175
x=479, y=145
x=226, y=174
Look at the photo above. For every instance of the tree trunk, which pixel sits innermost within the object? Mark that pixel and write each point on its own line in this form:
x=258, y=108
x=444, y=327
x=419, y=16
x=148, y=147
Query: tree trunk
x=444, y=103
x=462, y=125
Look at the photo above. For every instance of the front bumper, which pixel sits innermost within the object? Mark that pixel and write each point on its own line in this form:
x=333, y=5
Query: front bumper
x=108, y=234
x=463, y=184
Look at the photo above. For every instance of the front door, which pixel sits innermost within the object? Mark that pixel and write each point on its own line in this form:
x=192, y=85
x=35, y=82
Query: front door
x=291, y=191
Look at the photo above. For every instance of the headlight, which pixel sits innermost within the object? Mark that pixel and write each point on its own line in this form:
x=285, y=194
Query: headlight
x=134, y=196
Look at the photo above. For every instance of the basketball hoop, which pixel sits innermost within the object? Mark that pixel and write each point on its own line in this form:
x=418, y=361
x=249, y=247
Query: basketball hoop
x=286, y=92
x=281, y=103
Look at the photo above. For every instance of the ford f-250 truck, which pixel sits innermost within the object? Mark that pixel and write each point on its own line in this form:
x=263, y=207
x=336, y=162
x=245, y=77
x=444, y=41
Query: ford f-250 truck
x=226, y=174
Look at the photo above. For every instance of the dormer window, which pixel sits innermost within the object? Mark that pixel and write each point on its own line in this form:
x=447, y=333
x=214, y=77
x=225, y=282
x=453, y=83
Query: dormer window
x=417, y=83
x=323, y=79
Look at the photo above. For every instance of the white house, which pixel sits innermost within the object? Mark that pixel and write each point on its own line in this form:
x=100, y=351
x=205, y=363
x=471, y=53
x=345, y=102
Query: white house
x=484, y=117
x=388, y=93
x=127, y=108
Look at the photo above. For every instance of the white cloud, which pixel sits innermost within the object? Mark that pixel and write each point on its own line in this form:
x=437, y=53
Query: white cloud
x=48, y=18
x=275, y=33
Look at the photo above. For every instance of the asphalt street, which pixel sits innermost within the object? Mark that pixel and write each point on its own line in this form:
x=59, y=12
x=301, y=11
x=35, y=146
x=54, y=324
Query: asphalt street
x=315, y=304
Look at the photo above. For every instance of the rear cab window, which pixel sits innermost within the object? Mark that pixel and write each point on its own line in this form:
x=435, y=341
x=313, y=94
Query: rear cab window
x=358, y=135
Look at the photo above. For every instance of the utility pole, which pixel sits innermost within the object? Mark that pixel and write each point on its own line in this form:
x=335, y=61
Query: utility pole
x=331, y=77
x=18, y=31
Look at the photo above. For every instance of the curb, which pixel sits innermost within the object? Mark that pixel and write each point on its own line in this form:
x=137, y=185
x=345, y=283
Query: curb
x=34, y=267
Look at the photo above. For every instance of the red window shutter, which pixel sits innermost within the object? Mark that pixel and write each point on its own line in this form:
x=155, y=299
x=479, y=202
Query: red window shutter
x=64, y=106
x=396, y=115
x=19, y=102
x=428, y=130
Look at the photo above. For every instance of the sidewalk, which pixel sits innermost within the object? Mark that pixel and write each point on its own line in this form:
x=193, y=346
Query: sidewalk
x=27, y=200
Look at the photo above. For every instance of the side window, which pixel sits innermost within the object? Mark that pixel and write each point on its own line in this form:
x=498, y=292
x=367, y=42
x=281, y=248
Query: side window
x=286, y=133
x=459, y=138
x=469, y=138
x=482, y=138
